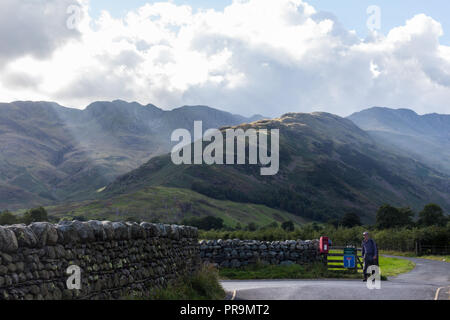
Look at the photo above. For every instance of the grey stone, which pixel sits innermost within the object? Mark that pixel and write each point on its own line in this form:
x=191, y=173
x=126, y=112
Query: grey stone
x=98, y=229
x=68, y=232
x=24, y=235
x=8, y=240
x=45, y=232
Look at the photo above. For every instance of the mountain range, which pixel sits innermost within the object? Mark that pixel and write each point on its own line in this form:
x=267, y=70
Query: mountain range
x=328, y=167
x=50, y=153
x=422, y=137
x=113, y=151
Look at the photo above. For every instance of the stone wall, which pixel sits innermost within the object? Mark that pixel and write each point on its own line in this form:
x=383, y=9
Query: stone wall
x=237, y=253
x=116, y=258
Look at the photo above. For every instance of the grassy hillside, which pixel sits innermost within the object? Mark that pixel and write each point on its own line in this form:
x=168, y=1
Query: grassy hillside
x=328, y=167
x=172, y=205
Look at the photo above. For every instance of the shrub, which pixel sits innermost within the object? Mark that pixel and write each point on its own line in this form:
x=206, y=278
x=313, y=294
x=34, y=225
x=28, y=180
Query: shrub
x=35, y=215
x=205, y=223
x=7, y=218
x=288, y=225
x=202, y=285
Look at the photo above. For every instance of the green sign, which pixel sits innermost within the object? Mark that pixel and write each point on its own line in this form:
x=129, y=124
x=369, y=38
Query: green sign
x=350, y=251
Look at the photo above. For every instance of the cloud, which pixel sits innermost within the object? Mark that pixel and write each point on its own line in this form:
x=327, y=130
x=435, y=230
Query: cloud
x=257, y=56
x=34, y=27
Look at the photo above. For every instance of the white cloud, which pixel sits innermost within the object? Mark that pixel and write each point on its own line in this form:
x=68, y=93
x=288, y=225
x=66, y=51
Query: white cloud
x=257, y=56
x=33, y=27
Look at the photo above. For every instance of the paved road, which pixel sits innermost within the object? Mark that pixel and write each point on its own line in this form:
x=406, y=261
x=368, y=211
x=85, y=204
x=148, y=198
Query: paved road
x=427, y=281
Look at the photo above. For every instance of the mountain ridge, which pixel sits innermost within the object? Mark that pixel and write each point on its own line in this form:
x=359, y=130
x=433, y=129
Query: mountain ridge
x=328, y=166
x=53, y=153
x=422, y=137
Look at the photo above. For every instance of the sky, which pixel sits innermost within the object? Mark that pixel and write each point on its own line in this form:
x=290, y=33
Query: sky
x=244, y=56
x=351, y=13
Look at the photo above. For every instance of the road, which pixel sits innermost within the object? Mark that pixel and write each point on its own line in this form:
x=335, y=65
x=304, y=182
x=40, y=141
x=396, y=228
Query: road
x=429, y=280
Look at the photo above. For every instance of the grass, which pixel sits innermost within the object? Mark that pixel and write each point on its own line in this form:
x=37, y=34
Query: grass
x=443, y=258
x=172, y=205
x=202, y=285
x=389, y=267
x=295, y=271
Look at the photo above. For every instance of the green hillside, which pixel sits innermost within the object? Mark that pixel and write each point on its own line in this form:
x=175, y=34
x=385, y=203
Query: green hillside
x=172, y=205
x=328, y=167
x=50, y=153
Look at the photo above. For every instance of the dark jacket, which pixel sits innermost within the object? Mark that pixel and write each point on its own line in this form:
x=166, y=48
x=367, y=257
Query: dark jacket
x=369, y=248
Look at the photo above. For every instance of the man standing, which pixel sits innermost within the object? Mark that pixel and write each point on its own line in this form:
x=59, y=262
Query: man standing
x=369, y=253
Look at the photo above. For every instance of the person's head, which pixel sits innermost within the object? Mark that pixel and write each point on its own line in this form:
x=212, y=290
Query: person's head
x=366, y=235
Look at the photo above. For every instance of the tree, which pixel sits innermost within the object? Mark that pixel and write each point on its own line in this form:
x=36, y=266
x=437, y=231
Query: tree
x=35, y=215
x=406, y=216
x=432, y=215
x=272, y=225
x=7, y=218
x=391, y=217
x=251, y=227
x=351, y=220
x=333, y=222
x=205, y=223
x=288, y=225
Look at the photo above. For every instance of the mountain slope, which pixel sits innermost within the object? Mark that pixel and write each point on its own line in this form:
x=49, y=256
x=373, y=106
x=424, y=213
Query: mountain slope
x=172, y=205
x=49, y=153
x=425, y=138
x=328, y=166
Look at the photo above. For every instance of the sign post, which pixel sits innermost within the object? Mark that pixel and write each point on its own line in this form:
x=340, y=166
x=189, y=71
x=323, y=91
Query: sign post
x=350, y=258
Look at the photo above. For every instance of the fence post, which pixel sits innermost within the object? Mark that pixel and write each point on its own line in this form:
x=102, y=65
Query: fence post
x=419, y=245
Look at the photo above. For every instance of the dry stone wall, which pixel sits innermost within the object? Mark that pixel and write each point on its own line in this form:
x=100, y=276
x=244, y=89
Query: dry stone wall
x=116, y=258
x=238, y=253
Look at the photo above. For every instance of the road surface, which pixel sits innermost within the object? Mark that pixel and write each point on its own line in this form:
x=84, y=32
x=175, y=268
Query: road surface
x=429, y=280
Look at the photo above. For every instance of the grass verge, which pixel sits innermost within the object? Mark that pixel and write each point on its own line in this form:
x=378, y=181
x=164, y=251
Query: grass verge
x=390, y=267
x=443, y=258
x=202, y=285
x=294, y=271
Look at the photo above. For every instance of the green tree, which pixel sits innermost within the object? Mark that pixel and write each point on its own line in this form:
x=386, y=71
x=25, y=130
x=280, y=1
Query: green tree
x=205, y=223
x=35, y=215
x=392, y=217
x=432, y=215
x=288, y=226
x=7, y=218
x=350, y=220
x=333, y=222
x=406, y=216
x=251, y=227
